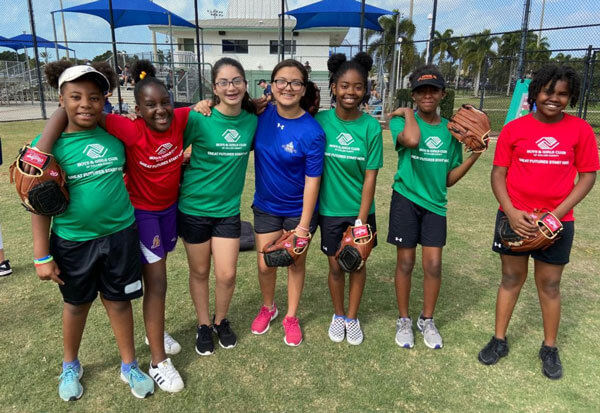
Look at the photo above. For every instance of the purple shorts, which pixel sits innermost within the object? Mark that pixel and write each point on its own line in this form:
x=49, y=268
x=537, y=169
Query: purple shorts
x=158, y=233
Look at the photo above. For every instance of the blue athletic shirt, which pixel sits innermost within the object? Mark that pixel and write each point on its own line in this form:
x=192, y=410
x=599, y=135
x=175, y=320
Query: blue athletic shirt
x=285, y=151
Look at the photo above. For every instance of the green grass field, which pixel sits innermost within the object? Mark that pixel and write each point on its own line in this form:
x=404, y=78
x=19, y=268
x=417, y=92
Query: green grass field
x=263, y=374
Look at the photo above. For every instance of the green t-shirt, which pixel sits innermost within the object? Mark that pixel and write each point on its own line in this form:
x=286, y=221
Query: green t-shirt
x=422, y=171
x=351, y=148
x=99, y=203
x=214, y=180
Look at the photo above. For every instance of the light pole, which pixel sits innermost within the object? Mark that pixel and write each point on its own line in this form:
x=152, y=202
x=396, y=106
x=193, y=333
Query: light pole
x=399, y=69
x=430, y=18
x=541, y=23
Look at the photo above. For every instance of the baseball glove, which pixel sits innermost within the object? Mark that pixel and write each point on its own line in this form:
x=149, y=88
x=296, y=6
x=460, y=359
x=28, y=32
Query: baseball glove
x=357, y=243
x=471, y=127
x=44, y=193
x=549, y=228
x=286, y=250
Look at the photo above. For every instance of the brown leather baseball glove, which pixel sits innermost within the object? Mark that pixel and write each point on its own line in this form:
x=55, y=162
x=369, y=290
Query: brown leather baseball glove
x=357, y=243
x=549, y=228
x=44, y=193
x=286, y=250
x=471, y=127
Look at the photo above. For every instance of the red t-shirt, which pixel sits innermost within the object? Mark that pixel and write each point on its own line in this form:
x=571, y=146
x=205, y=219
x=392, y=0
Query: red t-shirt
x=154, y=159
x=543, y=160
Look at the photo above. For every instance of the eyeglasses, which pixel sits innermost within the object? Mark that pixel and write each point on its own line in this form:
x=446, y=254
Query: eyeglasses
x=281, y=84
x=237, y=82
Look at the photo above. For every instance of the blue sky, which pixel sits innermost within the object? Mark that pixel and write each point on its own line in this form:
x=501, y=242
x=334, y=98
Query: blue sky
x=463, y=16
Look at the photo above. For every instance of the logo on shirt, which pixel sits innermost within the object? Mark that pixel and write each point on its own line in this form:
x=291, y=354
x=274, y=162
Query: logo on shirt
x=289, y=148
x=95, y=151
x=280, y=125
x=433, y=142
x=547, y=142
x=345, y=139
x=164, y=148
x=231, y=135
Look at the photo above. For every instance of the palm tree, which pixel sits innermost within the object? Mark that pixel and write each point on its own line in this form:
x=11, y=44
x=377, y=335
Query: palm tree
x=444, y=44
x=475, y=50
x=377, y=46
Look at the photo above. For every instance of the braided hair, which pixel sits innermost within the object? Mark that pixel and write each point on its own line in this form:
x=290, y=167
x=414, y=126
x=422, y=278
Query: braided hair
x=551, y=74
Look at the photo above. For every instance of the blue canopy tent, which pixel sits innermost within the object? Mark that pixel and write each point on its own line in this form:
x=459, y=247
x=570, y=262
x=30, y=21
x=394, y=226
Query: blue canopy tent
x=339, y=13
x=336, y=13
x=123, y=13
x=25, y=41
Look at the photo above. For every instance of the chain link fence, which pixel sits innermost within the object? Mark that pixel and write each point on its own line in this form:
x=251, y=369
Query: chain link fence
x=477, y=47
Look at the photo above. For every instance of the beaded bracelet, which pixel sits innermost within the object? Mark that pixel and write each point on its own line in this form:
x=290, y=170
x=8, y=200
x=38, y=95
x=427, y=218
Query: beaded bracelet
x=303, y=228
x=43, y=260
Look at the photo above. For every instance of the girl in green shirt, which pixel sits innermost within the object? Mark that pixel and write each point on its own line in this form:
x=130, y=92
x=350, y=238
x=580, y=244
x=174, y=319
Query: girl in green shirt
x=353, y=156
x=429, y=161
x=209, y=200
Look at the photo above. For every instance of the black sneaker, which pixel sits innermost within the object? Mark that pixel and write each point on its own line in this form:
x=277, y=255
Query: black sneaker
x=493, y=350
x=551, y=366
x=227, y=338
x=5, y=268
x=204, y=341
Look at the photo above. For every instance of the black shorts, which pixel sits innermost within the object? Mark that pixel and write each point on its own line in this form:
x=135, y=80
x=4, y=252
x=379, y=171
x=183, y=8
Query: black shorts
x=196, y=230
x=411, y=224
x=333, y=228
x=265, y=223
x=557, y=254
x=110, y=265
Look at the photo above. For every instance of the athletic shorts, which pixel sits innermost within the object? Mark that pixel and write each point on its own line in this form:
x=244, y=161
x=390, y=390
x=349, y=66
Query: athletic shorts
x=158, y=233
x=197, y=230
x=265, y=223
x=411, y=224
x=333, y=228
x=110, y=265
x=557, y=254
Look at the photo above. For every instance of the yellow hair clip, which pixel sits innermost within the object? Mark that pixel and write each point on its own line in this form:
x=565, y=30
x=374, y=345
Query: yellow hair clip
x=142, y=75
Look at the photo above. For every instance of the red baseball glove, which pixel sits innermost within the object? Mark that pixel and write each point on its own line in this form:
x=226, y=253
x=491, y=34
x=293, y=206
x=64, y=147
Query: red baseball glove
x=549, y=228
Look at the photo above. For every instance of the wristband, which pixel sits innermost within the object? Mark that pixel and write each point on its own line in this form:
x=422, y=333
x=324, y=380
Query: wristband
x=303, y=228
x=43, y=260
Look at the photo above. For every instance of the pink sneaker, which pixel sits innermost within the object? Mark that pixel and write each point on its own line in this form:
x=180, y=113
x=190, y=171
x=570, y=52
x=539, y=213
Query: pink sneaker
x=262, y=321
x=293, y=334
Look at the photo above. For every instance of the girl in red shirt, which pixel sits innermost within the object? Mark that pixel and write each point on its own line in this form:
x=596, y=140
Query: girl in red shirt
x=154, y=149
x=537, y=159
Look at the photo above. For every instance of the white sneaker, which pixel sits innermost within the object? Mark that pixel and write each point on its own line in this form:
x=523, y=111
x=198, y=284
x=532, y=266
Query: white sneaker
x=166, y=376
x=171, y=345
x=337, y=329
x=354, y=334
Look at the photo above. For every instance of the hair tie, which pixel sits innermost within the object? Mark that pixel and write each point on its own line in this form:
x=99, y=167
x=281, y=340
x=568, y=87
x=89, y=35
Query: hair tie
x=142, y=75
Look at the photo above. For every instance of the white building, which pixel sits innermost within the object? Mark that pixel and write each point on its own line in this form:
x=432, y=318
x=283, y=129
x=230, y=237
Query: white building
x=249, y=32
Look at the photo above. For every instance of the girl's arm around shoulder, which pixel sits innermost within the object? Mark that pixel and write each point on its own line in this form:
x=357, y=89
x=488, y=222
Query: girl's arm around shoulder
x=410, y=136
x=52, y=131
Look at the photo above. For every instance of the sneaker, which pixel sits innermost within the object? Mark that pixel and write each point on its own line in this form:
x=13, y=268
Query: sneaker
x=171, y=345
x=166, y=376
x=262, y=321
x=493, y=350
x=551, y=365
x=204, y=341
x=293, y=334
x=69, y=388
x=140, y=383
x=337, y=329
x=404, y=332
x=227, y=338
x=431, y=335
x=5, y=268
x=354, y=334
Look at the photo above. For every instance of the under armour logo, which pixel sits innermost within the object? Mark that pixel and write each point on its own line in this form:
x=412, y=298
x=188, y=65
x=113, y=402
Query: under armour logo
x=497, y=245
x=397, y=239
x=280, y=125
x=324, y=248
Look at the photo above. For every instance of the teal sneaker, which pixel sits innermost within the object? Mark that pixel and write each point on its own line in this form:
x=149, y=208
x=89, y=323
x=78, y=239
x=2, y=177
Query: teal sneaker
x=140, y=383
x=69, y=388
